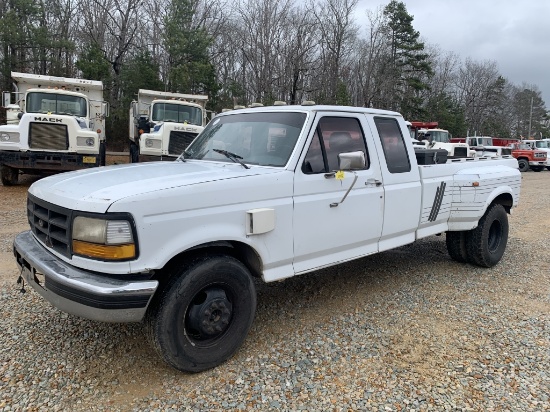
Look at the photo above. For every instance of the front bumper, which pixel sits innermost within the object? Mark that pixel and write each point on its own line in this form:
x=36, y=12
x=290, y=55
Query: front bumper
x=80, y=292
x=48, y=161
x=537, y=163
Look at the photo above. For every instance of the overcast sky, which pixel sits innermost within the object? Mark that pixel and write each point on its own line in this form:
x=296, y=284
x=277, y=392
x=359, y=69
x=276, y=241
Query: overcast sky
x=513, y=33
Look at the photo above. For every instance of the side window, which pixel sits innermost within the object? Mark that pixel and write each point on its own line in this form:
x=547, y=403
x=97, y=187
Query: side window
x=393, y=144
x=314, y=161
x=334, y=135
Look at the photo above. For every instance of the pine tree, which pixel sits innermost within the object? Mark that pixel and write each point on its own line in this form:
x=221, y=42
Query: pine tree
x=187, y=45
x=408, y=64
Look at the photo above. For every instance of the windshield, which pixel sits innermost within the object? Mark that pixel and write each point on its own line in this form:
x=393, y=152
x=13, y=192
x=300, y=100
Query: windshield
x=56, y=104
x=265, y=139
x=441, y=136
x=481, y=141
x=178, y=113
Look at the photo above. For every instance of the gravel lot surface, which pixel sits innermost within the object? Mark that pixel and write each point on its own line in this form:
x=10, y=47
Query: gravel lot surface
x=404, y=330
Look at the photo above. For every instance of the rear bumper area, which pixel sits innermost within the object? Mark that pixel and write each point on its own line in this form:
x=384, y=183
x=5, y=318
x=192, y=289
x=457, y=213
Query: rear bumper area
x=79, y=292
x=48, y=161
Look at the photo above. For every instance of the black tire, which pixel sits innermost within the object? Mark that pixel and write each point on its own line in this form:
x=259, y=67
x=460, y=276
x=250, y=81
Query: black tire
x=456, y=246
x=537, y=168
x=10, y=175
x=487, y=242
x=102, y=154
x=134, y=153
x=547, y=167
x=523, y=165
x=204, y=314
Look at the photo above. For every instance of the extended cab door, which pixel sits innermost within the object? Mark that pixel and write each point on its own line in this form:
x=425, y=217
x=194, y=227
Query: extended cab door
x=402, y=187
x=329, y=228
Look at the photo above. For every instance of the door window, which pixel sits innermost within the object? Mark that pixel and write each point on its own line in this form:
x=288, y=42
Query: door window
x=334, y=135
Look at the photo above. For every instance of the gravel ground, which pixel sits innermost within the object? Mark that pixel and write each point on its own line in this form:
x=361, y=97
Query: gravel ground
x=404, y=330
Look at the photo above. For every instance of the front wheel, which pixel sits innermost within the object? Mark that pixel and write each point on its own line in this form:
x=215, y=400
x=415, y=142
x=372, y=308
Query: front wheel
x=537, y=168
x=204, y=314
x=487, y=242
x=10, y=175
x=523, y=165
x=134, y=153
x=102, y=154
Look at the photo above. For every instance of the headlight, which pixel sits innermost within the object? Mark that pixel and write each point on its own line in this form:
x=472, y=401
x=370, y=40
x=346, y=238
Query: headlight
x=103, y=239
x=9, y=137
x=153, y=143
x=85, y=141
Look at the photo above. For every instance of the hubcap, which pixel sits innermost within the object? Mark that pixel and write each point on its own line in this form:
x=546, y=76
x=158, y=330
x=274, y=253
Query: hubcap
x=209, y=314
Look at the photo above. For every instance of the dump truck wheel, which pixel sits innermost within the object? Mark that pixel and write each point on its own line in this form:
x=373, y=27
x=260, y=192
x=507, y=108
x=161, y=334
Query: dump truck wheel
x=10, y=175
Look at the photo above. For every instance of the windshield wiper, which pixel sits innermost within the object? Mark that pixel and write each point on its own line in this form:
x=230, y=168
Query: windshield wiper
x=235, y=157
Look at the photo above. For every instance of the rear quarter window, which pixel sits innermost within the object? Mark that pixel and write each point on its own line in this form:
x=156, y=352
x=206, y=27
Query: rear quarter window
x=393, y=144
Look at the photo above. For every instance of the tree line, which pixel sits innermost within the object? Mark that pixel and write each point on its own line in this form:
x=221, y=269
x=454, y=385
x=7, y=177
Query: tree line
x=245, y=51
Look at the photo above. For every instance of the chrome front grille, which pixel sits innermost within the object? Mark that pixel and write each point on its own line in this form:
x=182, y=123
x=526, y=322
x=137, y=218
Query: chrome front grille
x=48, y=136
x=50, y=224
x=179, y=141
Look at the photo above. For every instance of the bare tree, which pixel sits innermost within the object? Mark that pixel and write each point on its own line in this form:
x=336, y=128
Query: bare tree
x=298, y=56
x=261, y=38
x=476, y=83
x=372, y=53
x=338, y=32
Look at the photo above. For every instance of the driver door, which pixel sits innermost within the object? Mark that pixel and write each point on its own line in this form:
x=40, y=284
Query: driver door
x=329, y=228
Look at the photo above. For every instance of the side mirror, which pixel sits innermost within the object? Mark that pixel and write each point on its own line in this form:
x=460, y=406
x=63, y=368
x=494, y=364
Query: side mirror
x=352, y=161
x=19, y=115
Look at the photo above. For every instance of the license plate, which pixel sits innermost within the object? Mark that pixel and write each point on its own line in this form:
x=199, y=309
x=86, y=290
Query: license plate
x=88, y=159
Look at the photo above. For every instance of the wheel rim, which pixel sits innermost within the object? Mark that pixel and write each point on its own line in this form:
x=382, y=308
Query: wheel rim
x=495, y=232
x=208, y=316
x=523, y=164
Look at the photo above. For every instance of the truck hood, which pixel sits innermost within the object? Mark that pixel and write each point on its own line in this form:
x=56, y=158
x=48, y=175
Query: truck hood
x=94, y=190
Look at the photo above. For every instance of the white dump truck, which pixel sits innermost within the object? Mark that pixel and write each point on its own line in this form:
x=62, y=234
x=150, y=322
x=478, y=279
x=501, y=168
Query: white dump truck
x=54, y=124
x=162, y=124
x=266, y=193
x=430, y=136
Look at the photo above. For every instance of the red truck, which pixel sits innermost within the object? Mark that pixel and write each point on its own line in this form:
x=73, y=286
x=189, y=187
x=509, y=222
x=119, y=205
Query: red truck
x=528, y=158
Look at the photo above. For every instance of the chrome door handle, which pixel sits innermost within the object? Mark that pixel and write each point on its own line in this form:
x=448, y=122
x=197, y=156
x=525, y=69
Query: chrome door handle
x=375, y=182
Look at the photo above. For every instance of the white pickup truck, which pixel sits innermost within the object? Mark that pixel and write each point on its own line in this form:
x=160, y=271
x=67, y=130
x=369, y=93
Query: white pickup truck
x=268, y=193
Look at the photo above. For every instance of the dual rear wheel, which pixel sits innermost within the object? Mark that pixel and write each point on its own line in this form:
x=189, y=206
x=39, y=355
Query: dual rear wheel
x=485, y=245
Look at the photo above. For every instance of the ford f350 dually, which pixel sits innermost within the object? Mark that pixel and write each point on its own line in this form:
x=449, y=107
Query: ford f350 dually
x=265, y=192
